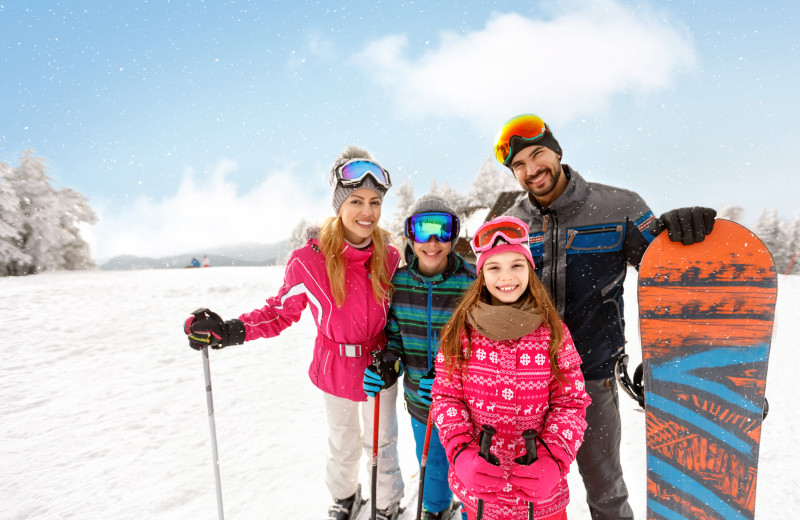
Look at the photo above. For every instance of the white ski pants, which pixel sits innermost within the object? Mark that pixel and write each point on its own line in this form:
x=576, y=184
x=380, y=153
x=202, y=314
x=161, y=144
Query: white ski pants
x=346, y=441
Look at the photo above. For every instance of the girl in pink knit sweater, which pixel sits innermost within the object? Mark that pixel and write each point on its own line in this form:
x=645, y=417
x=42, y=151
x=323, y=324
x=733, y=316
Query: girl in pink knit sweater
x=507, y=361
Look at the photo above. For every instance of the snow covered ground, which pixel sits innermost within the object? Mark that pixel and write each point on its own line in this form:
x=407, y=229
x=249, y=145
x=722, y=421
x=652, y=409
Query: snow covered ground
x=103, y=407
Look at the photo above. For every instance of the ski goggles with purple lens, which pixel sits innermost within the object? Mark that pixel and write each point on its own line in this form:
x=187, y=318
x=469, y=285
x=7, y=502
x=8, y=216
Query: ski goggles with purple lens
x=352, y=173
x=421, y=227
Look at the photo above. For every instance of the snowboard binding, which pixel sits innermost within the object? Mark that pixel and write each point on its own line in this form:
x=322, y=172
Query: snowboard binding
x=634, y=388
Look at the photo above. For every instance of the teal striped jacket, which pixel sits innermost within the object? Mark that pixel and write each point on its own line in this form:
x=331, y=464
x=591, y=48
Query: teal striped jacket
x=420, y=307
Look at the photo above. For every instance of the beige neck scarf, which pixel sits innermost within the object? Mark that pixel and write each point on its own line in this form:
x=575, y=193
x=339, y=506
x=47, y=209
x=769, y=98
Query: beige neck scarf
x=505, y=322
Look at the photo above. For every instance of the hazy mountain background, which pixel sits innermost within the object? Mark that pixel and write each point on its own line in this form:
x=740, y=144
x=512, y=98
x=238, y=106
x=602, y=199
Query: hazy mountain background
x=243, y=254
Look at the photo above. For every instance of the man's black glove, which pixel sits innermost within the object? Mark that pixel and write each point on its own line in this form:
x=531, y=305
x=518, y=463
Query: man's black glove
x=206, y=329
x=685, y=225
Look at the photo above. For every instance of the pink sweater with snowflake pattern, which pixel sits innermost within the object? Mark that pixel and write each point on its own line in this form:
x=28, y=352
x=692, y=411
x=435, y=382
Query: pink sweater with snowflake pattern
x=509, y=385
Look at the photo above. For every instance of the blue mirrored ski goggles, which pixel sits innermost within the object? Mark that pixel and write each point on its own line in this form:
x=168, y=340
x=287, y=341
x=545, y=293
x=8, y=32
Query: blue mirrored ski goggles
x=352, y=173
x=420, y=228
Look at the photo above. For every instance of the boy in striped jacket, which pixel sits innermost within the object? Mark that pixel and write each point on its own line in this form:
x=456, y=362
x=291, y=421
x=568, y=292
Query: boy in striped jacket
x=426, y=291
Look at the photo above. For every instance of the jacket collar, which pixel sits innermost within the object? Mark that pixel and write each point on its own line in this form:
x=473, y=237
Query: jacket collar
x=454, y=263
x=350, y=253
x=571, y=200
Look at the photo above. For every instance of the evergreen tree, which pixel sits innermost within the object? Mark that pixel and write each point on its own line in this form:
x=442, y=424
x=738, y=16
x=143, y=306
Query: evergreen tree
x=768, y=229
x=405, y=199
x=490, y=181
x=296, y=240
x=733, y=213
x=458, y=202
x=11, y=220
x=790, y=237
x=44, y=220
x=75, y=209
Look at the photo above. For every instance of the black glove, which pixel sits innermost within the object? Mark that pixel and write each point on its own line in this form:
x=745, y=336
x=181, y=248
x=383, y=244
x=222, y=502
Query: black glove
x=206, y=329
x=685, y=225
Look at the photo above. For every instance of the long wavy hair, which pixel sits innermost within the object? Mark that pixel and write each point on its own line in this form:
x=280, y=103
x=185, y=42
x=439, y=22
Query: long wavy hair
x=331, y=240
x=456, y=354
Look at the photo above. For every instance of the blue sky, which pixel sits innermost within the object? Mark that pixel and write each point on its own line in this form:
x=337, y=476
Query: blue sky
x=201, y=123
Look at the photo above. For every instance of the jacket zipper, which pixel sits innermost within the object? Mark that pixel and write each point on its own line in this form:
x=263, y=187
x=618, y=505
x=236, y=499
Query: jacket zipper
x=554, y=259
x=430, y=317
x=573, y=232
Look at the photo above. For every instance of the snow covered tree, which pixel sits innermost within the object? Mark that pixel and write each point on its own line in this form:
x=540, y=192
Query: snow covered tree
x=766, y=228
x=793, y=247
x=405, y=199
x=296, y=240
x=75, y=209
x=10, y=224
x=790, y=238
x=490, y=181
x=45, y=221
x=733, y=213
x=458, y=202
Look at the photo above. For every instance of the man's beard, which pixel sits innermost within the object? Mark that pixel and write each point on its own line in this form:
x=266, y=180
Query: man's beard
x=547, y=188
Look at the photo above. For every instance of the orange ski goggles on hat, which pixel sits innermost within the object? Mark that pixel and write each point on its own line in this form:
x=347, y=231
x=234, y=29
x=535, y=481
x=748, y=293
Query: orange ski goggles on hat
x=527, y=126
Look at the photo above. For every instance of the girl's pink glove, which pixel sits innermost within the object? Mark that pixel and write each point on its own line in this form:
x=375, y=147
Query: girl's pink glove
x=483, y=480
x=537, y=481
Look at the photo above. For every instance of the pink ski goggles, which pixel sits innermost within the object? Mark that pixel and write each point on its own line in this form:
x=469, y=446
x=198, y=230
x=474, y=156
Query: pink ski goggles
x=511, y=229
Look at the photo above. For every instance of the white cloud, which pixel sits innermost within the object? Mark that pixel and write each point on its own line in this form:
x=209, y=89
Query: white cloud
x=562, y=68
x=206, y=212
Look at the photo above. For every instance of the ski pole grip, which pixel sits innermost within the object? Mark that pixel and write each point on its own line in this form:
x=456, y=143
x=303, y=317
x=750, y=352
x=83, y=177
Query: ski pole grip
x=377, y=361
x=487, y=432
x=530, y=448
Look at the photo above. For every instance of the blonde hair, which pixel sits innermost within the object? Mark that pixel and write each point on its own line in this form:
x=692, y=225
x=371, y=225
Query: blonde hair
x=331, y=240
x=455, y=355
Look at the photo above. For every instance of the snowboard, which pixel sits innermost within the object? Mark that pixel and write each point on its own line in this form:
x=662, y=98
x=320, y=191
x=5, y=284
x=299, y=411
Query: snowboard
x=705, y=318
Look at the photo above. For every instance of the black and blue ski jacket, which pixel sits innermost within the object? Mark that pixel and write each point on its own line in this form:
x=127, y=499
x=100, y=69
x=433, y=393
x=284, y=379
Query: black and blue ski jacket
x=581, y=245
x=419, y=309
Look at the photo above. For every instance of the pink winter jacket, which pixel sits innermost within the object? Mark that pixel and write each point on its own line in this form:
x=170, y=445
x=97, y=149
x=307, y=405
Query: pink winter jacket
x=346, y=335
x=509, y=385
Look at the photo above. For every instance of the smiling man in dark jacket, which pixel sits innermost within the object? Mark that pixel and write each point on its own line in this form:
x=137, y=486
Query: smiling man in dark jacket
x=583, y=237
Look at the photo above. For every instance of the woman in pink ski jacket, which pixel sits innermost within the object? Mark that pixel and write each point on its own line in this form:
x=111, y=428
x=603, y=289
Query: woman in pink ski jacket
x=343, y=273
x=508, y=363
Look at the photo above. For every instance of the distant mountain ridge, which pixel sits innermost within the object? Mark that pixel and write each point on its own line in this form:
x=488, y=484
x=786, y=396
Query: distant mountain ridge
x=241, y=254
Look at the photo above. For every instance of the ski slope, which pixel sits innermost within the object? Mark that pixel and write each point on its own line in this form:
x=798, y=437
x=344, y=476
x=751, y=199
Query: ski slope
x=103, y=408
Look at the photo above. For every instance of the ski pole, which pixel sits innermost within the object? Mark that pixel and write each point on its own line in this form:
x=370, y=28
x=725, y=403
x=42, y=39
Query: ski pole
x=487, y=432
x=529, y=458
x=424, y=464
x=377, y=359
x=214, y=453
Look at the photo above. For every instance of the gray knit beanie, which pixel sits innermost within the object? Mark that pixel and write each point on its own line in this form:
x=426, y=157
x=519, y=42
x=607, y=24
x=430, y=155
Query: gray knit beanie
x=340, y=193
x=431, y=203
